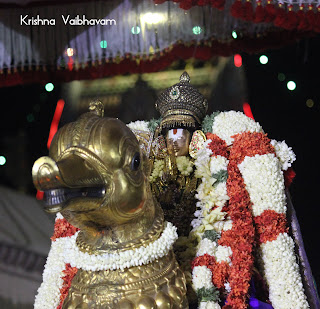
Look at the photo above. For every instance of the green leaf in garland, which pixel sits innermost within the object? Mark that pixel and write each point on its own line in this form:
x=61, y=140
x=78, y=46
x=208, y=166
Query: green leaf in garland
x=153, y=124
x=211, y=294
x=208, y=122
x=211, y=235
x=221, y=176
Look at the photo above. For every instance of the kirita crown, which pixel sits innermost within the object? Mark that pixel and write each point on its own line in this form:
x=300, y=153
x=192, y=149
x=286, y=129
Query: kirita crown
x=181, y=105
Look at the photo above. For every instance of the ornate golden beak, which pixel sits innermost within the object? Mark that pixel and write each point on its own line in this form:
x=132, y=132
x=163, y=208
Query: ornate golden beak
x=61, y=183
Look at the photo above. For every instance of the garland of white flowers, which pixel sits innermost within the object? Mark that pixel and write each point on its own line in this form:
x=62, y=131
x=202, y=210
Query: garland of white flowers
x=210, y=220
x=64, y=250
x=264, y=181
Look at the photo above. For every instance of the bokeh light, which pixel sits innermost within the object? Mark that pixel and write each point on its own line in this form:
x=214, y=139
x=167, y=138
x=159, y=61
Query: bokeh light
x=49, y=87
x=196, y=30
x=263, y=59
x=135, y=30
x=291, y=85
x=310, y=103
x=281, y=77
x=3, y=160
x=103, y=44
x=237, y=59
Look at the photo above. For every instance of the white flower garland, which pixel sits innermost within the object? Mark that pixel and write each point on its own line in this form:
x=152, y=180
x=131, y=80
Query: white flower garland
x=284, y=153
x=139, y=125
x=264, y=181
x=121, y=260
x=227, y=124
x=281, y=271
x=64, y=250
x=212, y=196
x=265, y=184
x=202, y=277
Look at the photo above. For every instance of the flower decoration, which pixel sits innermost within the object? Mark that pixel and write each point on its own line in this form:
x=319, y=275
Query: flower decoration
x=65, y=259
x=184, y=165
x=242, y=165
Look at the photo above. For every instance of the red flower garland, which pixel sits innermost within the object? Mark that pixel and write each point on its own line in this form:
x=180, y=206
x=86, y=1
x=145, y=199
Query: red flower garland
x=269, y=225
x=69, y=272
x=62, y=228
x=217, y=145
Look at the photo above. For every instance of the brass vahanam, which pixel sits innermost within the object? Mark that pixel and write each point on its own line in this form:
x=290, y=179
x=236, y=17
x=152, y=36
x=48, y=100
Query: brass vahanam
x=95, y=176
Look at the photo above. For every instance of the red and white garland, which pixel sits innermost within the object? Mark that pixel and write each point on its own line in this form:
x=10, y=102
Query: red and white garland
x=65, y=259
x=252, y=212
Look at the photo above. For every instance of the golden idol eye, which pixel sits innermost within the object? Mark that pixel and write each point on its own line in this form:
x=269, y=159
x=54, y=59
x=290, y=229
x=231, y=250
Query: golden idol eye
x=135, y=162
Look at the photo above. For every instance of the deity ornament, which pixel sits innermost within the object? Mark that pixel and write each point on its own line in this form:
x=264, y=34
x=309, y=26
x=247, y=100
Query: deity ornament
x=177, y=139
x=95, y=177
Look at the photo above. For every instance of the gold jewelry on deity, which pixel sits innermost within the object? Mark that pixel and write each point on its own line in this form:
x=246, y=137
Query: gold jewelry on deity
x=181, y=105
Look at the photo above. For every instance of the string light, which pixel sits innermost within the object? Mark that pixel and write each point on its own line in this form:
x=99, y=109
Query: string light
x=49, y=87
x=196, y=30
x=70, y=52
x=135, y=30
x=291, y=85
x=281, y=77
x=234, y=34
x=103, y=44
x=263, y=59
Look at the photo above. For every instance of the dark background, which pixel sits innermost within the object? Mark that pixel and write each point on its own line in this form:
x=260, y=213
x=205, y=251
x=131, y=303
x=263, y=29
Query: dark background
x=27, y=112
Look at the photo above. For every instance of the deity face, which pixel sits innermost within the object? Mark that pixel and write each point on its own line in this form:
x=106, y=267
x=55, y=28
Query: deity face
x=178, y=141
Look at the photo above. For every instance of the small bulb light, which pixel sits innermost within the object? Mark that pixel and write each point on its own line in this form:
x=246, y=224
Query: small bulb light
x=103, y=44
x=196, y=30
x=70, y=52
x=263, y=59
x=49, y=87
x=291, y=85
x=3, y=160
x=135, y=30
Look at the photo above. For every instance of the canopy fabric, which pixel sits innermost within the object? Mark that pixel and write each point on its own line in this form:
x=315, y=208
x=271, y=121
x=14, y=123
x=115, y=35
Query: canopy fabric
x=97, y=39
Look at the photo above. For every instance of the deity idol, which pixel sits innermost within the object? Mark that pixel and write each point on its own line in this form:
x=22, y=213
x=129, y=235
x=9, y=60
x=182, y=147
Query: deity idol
x=223, y=183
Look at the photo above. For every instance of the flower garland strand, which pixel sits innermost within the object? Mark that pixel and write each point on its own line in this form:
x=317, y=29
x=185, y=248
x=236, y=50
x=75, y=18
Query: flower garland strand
x=65, y=259
x=211, y=166
x=245, y=142
x=264, y=180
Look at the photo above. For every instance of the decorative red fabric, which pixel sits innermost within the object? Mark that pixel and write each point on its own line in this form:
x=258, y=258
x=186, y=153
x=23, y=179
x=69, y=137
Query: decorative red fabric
x=260, y=14
x=248, y=13
x=237, y=9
